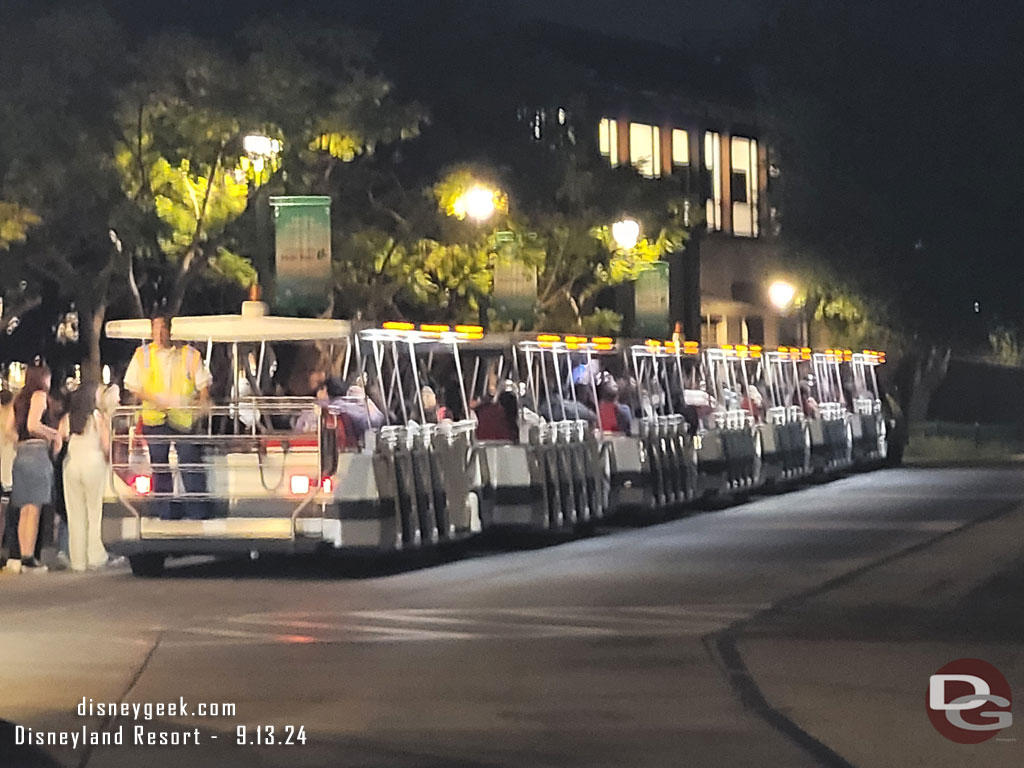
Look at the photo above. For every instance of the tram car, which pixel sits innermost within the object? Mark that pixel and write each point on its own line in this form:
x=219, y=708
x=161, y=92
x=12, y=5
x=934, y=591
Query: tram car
x=434, y=433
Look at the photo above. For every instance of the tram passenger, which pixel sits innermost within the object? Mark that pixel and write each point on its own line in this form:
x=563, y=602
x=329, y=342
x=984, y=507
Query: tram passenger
x=808, y=403
x=613, y=415
x=498, y=419
x=360, y=409
x=171, y=381
x=754, y=403
x=702, y=403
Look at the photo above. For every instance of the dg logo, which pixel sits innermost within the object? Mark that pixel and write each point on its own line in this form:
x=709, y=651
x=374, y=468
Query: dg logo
x=969, y=701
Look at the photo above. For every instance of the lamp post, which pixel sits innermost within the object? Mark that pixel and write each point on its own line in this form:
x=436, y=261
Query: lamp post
x=781, y=294
x=260, y=161
x=478, y=203
x=626, y=233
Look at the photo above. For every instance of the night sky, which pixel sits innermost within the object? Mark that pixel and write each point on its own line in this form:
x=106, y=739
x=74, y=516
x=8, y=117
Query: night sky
x=675, y=22
x=667, y=21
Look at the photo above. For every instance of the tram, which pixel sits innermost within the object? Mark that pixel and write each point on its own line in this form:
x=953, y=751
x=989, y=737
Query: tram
x=437, y=433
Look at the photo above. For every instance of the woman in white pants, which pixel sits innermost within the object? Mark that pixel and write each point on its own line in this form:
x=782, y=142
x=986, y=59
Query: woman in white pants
x=85, y=478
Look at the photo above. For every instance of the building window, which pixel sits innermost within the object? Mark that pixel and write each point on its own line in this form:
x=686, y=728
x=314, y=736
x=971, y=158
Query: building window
x=744, y=187
x=645, y=149
x=608, y=140
x=680, y=148
x=709, y=327
x=753, y=330
x=713, y=179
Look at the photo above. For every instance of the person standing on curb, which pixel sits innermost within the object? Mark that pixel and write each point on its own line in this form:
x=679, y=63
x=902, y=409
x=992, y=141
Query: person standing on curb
x=32, y=471
x=85, y=478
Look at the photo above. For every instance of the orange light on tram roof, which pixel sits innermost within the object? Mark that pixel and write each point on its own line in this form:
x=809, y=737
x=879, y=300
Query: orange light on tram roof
x=434, y=328
x=469, y=329
x=603, y=340
x=399, y=326
x=549, y=337
x=652, y=343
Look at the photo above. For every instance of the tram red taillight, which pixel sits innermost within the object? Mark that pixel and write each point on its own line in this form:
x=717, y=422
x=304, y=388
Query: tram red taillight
x=142, y=484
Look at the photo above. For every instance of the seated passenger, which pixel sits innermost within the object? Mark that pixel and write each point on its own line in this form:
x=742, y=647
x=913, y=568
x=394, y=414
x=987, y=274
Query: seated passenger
x=498, y=420
x=614, y=417
x=362, y=411
x=753, y=402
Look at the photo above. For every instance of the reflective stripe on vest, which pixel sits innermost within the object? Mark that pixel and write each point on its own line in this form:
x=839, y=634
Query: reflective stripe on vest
x=181, y=384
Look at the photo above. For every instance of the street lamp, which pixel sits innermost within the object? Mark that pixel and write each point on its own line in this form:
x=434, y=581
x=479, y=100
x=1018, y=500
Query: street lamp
x=261, y=151
x=781, y=294
x=477, y=203
x=626, y=233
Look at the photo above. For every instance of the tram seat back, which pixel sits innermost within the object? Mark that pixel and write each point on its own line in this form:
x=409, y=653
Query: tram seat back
x=866, y=406
x=778, y=414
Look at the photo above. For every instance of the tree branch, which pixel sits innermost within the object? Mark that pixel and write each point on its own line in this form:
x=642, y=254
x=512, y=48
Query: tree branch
x=189, y=260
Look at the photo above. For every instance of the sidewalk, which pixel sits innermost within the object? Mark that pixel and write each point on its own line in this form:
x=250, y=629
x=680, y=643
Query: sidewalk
x=852, y=671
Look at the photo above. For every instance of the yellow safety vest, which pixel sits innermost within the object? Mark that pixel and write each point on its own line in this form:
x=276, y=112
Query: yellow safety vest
x=182, y=378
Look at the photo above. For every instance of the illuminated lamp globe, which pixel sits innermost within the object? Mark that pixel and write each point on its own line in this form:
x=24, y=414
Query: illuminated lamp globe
x=626, y=233
x=257, y=145
x=781, y=294
x=476, y=202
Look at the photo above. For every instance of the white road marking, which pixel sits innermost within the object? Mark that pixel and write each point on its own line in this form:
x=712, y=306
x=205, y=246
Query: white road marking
x=448, y=624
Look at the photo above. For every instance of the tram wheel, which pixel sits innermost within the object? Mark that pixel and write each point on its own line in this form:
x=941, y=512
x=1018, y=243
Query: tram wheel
x=148, y=565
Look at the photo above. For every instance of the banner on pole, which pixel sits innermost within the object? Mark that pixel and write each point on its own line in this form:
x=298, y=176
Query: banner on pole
x=302, y=227
x=651, y=294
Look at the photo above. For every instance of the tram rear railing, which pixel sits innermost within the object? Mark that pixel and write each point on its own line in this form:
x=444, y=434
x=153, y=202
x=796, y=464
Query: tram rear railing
x=258, y=458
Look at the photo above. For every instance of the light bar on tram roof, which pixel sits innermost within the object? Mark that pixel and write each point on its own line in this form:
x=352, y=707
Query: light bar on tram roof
x=873, y=356
x=657, y=347
x=571, y=342
x=402, y=330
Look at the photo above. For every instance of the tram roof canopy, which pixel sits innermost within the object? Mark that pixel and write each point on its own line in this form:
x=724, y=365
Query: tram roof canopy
x=252, y=325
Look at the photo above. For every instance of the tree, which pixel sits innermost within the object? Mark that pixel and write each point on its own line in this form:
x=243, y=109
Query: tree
x=56, y=104
x=182, y=156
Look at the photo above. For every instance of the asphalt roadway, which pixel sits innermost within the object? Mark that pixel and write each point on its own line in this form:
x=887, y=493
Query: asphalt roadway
x=793, y=630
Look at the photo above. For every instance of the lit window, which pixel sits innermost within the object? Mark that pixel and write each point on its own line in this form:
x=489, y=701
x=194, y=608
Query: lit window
x=680, y=147
x=711, y=327
x=744, y=187
x=608, y=140
x=645, y=149
x=713, y=185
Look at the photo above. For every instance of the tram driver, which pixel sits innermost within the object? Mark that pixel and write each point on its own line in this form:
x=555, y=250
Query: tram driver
x=171, y=381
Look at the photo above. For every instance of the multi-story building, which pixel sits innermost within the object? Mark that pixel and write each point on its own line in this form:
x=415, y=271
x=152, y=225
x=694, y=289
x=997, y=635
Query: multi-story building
x=667, y=114
x=670, y=116
x=724, y=159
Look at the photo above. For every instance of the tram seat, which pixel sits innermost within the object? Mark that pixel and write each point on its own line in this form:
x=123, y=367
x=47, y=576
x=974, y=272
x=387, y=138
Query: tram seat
x=563, y=455
x=419, y=461
x=628, y=479
x=518, y=494
x=456, y=471
x=541, y=441
x=581, y=470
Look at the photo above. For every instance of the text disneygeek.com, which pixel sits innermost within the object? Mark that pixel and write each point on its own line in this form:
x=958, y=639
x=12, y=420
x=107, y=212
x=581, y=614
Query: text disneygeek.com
x=140, y=732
